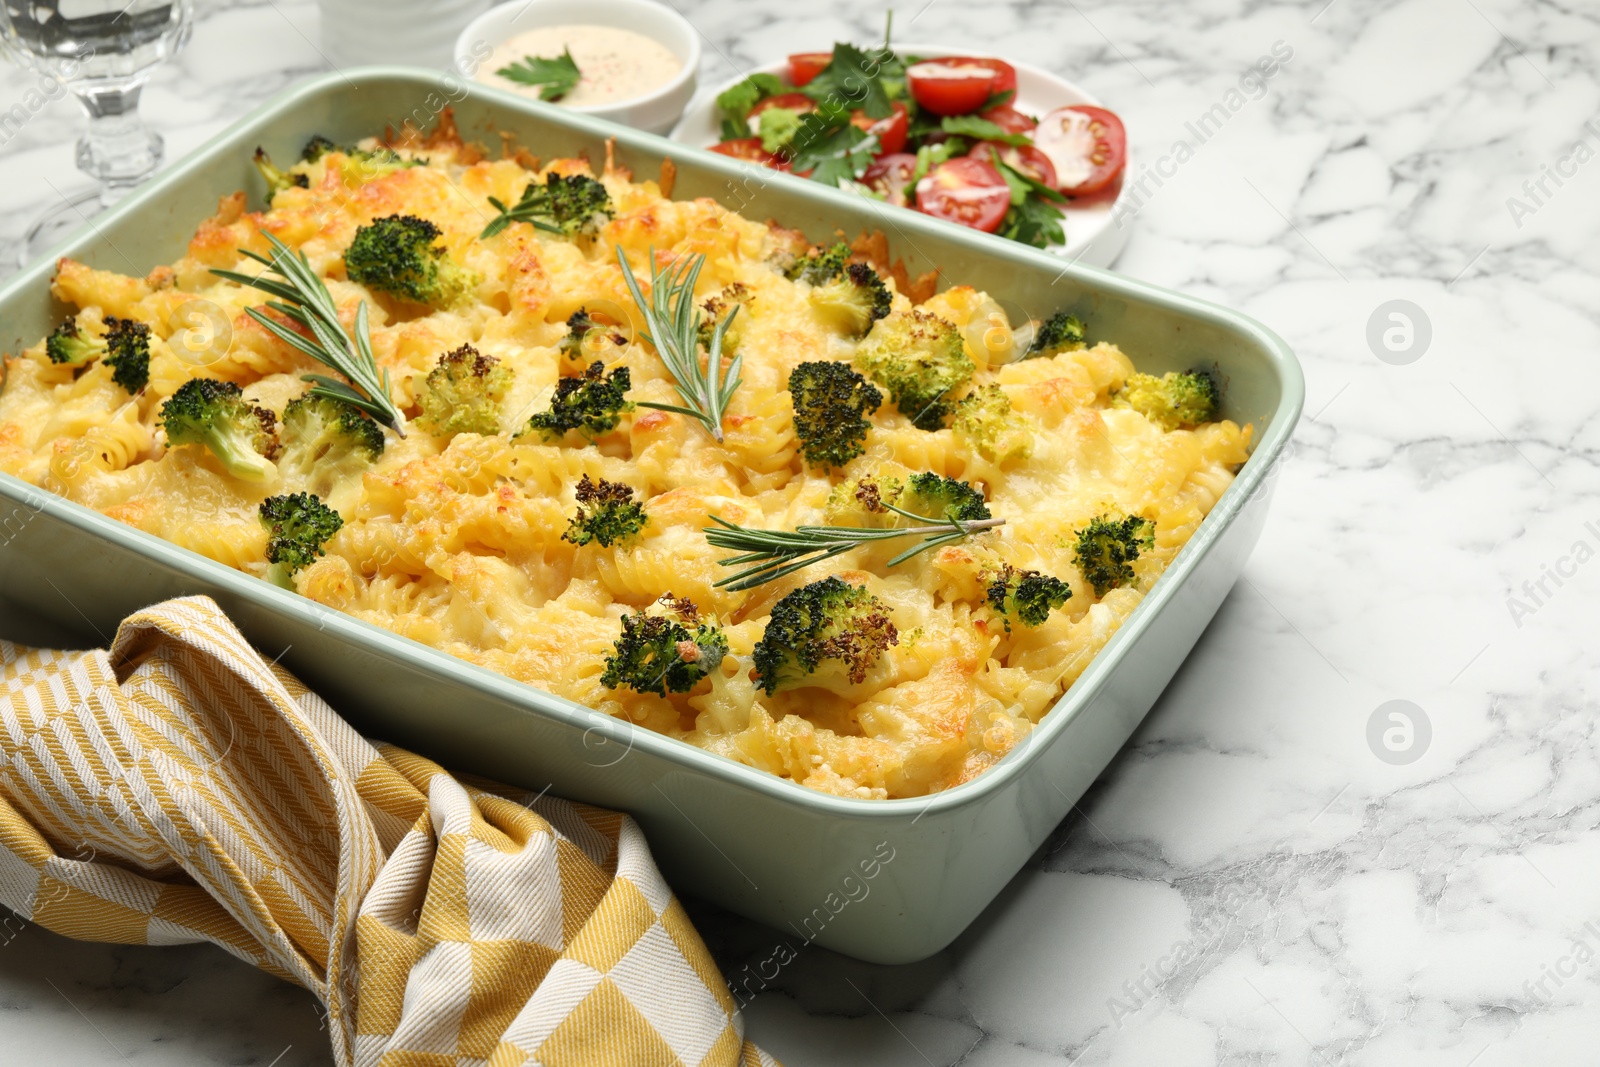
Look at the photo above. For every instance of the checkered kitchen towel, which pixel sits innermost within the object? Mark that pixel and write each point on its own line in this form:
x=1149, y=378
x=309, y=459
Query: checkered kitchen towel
x=178, y=788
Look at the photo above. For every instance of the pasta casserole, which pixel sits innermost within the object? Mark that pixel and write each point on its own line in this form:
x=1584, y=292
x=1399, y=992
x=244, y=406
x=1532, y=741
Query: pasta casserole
x=780, y=501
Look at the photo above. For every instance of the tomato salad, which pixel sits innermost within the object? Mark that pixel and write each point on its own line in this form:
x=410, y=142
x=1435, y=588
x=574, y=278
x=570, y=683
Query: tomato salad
x=938, y=136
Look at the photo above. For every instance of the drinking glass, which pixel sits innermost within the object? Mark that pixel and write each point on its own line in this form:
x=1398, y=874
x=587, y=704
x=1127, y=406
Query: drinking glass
x=102, y=51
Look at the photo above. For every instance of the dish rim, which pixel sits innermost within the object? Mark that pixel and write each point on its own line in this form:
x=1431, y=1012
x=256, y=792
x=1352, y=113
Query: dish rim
x=530, y=699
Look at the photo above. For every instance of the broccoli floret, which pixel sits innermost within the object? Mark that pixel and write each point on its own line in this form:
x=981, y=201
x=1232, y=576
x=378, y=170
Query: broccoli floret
x=1059, y=333
x=1173, y=401
x=298, y=525
x=830, y=401
x=593, y=403
x=66, y=344
x=921, y=359
x=863, y=501
x=1107, y=549
x=822, y=265
x=777, y=127
x=397, y=255
x=659, y=653
x=939, y=497
x=724, y=305
x=215, y=414
x=987, y=423
x=277, y=180
x=853, y=300
x=615, y=515
x=579, y=325
x=462, y=394
x=327, y=443
x=125, y=348
x=576, y=203
x=1027, y=597
x=317, y=147
x=821, y=632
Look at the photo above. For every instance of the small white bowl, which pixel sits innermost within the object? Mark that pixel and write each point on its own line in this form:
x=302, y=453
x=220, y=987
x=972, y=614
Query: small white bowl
x=656, y=111
x=1095, y=228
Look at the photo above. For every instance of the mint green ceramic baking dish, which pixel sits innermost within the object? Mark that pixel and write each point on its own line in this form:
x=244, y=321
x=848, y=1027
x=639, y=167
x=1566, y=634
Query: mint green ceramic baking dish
x=886, y=881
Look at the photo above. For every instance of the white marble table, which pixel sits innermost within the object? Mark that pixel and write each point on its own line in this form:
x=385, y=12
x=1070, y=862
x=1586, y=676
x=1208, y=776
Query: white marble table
x=1253, y=882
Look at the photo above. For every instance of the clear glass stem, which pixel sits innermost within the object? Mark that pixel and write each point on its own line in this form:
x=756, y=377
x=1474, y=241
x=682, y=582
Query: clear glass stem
x=117, y=150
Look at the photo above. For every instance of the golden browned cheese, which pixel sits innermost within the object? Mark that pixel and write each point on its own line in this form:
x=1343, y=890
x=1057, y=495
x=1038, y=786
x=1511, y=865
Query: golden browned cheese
x=457, y=542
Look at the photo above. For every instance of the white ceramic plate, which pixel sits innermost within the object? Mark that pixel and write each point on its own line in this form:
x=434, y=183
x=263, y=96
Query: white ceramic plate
x=1092, y=235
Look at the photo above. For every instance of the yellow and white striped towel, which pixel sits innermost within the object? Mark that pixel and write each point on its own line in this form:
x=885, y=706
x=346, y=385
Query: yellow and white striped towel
x=179, y=788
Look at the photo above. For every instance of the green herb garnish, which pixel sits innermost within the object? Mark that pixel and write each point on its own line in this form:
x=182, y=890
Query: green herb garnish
x=558, y=76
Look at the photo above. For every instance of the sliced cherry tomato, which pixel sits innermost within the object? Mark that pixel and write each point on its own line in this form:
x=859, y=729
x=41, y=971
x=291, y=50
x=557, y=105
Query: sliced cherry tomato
x=803, y=66
x=791, y=101
x=1087, y=145
x=889, y=175
x=947, y=87
x=965, y=190
x=1005, y=75
x=750, y=150
x=1024, y=158
x=891, y=131
x=1009, y=119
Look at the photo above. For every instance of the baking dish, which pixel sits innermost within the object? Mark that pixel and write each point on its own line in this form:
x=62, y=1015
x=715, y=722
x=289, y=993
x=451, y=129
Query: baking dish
x=887, y=881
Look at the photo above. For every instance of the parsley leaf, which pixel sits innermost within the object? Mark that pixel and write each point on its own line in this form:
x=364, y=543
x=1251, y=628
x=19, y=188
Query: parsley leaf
x=559, y=76
x=832, y=152
x=736, y=101
x=853, y=80
x=981, y=130
x=1034, y=222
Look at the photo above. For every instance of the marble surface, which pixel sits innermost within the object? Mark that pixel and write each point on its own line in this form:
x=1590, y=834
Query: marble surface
x=1274, y=871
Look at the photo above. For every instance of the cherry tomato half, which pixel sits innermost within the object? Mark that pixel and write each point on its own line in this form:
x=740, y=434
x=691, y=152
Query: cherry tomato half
x=803, y=66
x=750, y=150
x=791, y=101
x=965, y=190
x=1005, y=75
x=1009, y=119
x=891, y=131
x=1087, y=145
x=946, y=88
x=1025, y=159
x=889, y=175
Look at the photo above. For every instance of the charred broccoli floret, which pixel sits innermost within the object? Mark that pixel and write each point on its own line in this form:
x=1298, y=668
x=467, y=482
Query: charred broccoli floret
x=277, y=180
x=725, y=305
x=939, y=497
x=607, y=513
x=327, y=443
x=830, y=404
x=1059, y=333
x=317, y=147
x=823, y=632
x=215, y=414
x=298, y=525
x=575, y=204
x=1173, y=401
x=1025, y=596
x=398, y=255
x=1106, y=550
x=359, y=164
x=921, y=359
x=462, y=394
x=853, y=300
x=864, y=501
x=125, y=348
x=659, y=653
x=987, y=423
x=579, y=325
x=593, y=403
x=821, y=265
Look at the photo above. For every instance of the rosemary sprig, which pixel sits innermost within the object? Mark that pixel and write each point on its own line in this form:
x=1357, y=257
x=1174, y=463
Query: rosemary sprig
x=775, y=553
x=532, y=208
x=673, y=323
x=304, y=299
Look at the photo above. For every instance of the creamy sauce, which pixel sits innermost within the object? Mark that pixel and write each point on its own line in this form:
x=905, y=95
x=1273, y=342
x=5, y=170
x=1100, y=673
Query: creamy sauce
x=615, y=64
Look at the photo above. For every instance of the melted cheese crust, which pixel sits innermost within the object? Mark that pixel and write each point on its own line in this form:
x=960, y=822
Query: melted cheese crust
x=457, y=543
